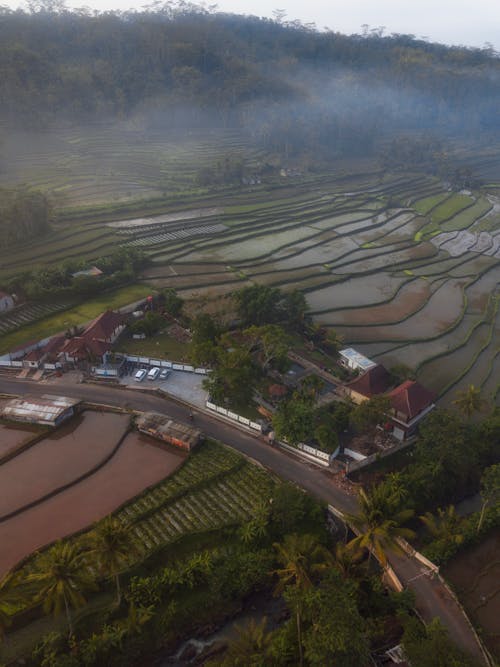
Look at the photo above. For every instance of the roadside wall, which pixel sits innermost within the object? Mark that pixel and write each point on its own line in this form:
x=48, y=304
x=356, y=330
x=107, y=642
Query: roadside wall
x=161, y=363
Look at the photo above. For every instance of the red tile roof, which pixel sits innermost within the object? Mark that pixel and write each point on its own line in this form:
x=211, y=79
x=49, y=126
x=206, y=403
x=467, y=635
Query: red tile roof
x=34, y=355
x=411, y=398
x=375, y=380
x=103, y=326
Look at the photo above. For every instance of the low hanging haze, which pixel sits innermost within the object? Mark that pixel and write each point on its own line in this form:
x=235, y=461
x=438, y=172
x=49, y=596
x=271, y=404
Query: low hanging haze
x=459, y=22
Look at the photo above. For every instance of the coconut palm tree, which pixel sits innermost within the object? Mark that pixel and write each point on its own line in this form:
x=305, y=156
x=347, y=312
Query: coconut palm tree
x=62, y=576
x=469, y=400
x=445, y=525
x=10, y=597
x=379, y=523
x=251, y=646
x=301, y=557
x=112, y=546
x=347, y=561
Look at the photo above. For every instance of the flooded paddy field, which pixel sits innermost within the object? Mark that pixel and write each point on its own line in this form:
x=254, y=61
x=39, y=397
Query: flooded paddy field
x=139, y=463
x=475, y=577
x=410, y=298
x=438, y=314
x=14, y=435
x=59, y=458
x=444, y=368
x=355, y=292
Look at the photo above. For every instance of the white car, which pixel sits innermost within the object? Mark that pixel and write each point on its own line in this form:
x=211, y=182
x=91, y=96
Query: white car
x=153, y=373
x=140, y=375
x=164, y=374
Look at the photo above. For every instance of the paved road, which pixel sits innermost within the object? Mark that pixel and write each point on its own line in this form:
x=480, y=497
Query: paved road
x=432, y=598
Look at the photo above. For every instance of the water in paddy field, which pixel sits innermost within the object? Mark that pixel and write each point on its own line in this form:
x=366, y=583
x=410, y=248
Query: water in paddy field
x=13, y=435
x=137, y=464
x=60, y=458
x=475, y=576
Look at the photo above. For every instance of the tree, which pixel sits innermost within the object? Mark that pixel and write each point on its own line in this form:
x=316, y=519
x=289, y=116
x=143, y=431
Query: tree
x=380, y=523
x=234, y=376
x=250, y=648
x=301, y=558
x=112, y=546
x=445, y=525
x=490, y=490
x=469, y=401
x=10, y=597
x=294, y=419
x=295, y=309
x=172, y=302
x=205, y=329
x=312, y=385
x=334, y=630
x=63, y=578
x=259, y=304
x=271, y=344
x=326, y=438
x=430, y=645
x=367, y=415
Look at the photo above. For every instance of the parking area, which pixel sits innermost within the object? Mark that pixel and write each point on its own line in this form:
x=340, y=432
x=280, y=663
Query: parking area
x=180, y=384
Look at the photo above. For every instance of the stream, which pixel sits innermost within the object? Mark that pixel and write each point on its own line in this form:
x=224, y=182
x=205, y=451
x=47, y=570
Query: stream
x=196, y=650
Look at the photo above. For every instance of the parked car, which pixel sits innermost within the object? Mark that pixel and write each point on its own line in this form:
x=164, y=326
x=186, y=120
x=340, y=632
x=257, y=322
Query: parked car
x=140, y=375
x=153, y=373
x=164, y=374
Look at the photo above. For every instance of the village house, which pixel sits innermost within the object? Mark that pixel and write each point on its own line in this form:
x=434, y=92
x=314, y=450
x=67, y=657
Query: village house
x=410, y=403
x=376, y=380
x=96, y=342
x=6, y=302
x=354, y=361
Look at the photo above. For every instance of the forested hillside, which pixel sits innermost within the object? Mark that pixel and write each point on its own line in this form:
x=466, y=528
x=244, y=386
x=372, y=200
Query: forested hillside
x=291, y=86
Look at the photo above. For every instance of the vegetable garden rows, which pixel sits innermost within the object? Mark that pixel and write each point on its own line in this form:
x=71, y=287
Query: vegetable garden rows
x=215, y=488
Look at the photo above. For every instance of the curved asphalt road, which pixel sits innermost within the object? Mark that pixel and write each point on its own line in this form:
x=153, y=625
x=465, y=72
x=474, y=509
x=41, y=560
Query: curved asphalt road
x=432, y=597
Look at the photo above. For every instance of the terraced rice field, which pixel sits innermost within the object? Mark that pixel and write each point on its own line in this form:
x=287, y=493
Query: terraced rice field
x=401, y=266
x=215, y=487
x=26, y=314
x=406, y=283
x=106, y=163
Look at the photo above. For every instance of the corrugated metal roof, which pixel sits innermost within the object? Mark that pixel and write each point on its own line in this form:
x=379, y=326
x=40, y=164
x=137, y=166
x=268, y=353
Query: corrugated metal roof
x=44, y=408
x=356, y=357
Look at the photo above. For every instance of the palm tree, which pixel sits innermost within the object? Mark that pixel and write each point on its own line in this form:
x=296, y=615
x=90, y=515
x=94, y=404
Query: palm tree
x=251, y=646
x=63, y=577
x=445, y=525
x=112, y=546
x=10, y=597
x=469, y=400
x=347, y=561
x=301, y=557
x=379, y=524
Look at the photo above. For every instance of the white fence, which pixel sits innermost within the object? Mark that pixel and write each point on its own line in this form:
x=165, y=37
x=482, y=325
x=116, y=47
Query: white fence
x=317, y=453
x=235, y=417
x=161, y=363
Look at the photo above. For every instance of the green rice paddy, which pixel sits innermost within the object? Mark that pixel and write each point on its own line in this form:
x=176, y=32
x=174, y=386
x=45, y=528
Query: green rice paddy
x=401, y=266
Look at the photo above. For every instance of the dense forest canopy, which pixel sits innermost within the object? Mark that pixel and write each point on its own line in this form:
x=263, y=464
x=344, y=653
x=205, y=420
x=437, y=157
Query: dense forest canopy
x=290, y=85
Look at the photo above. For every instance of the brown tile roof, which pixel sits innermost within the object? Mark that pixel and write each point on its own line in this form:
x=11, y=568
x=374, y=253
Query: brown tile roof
x=375, y=380
x=34, y=355
x=277, y=390
x=103, y=326
x=54, y=344
x=411, y=398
